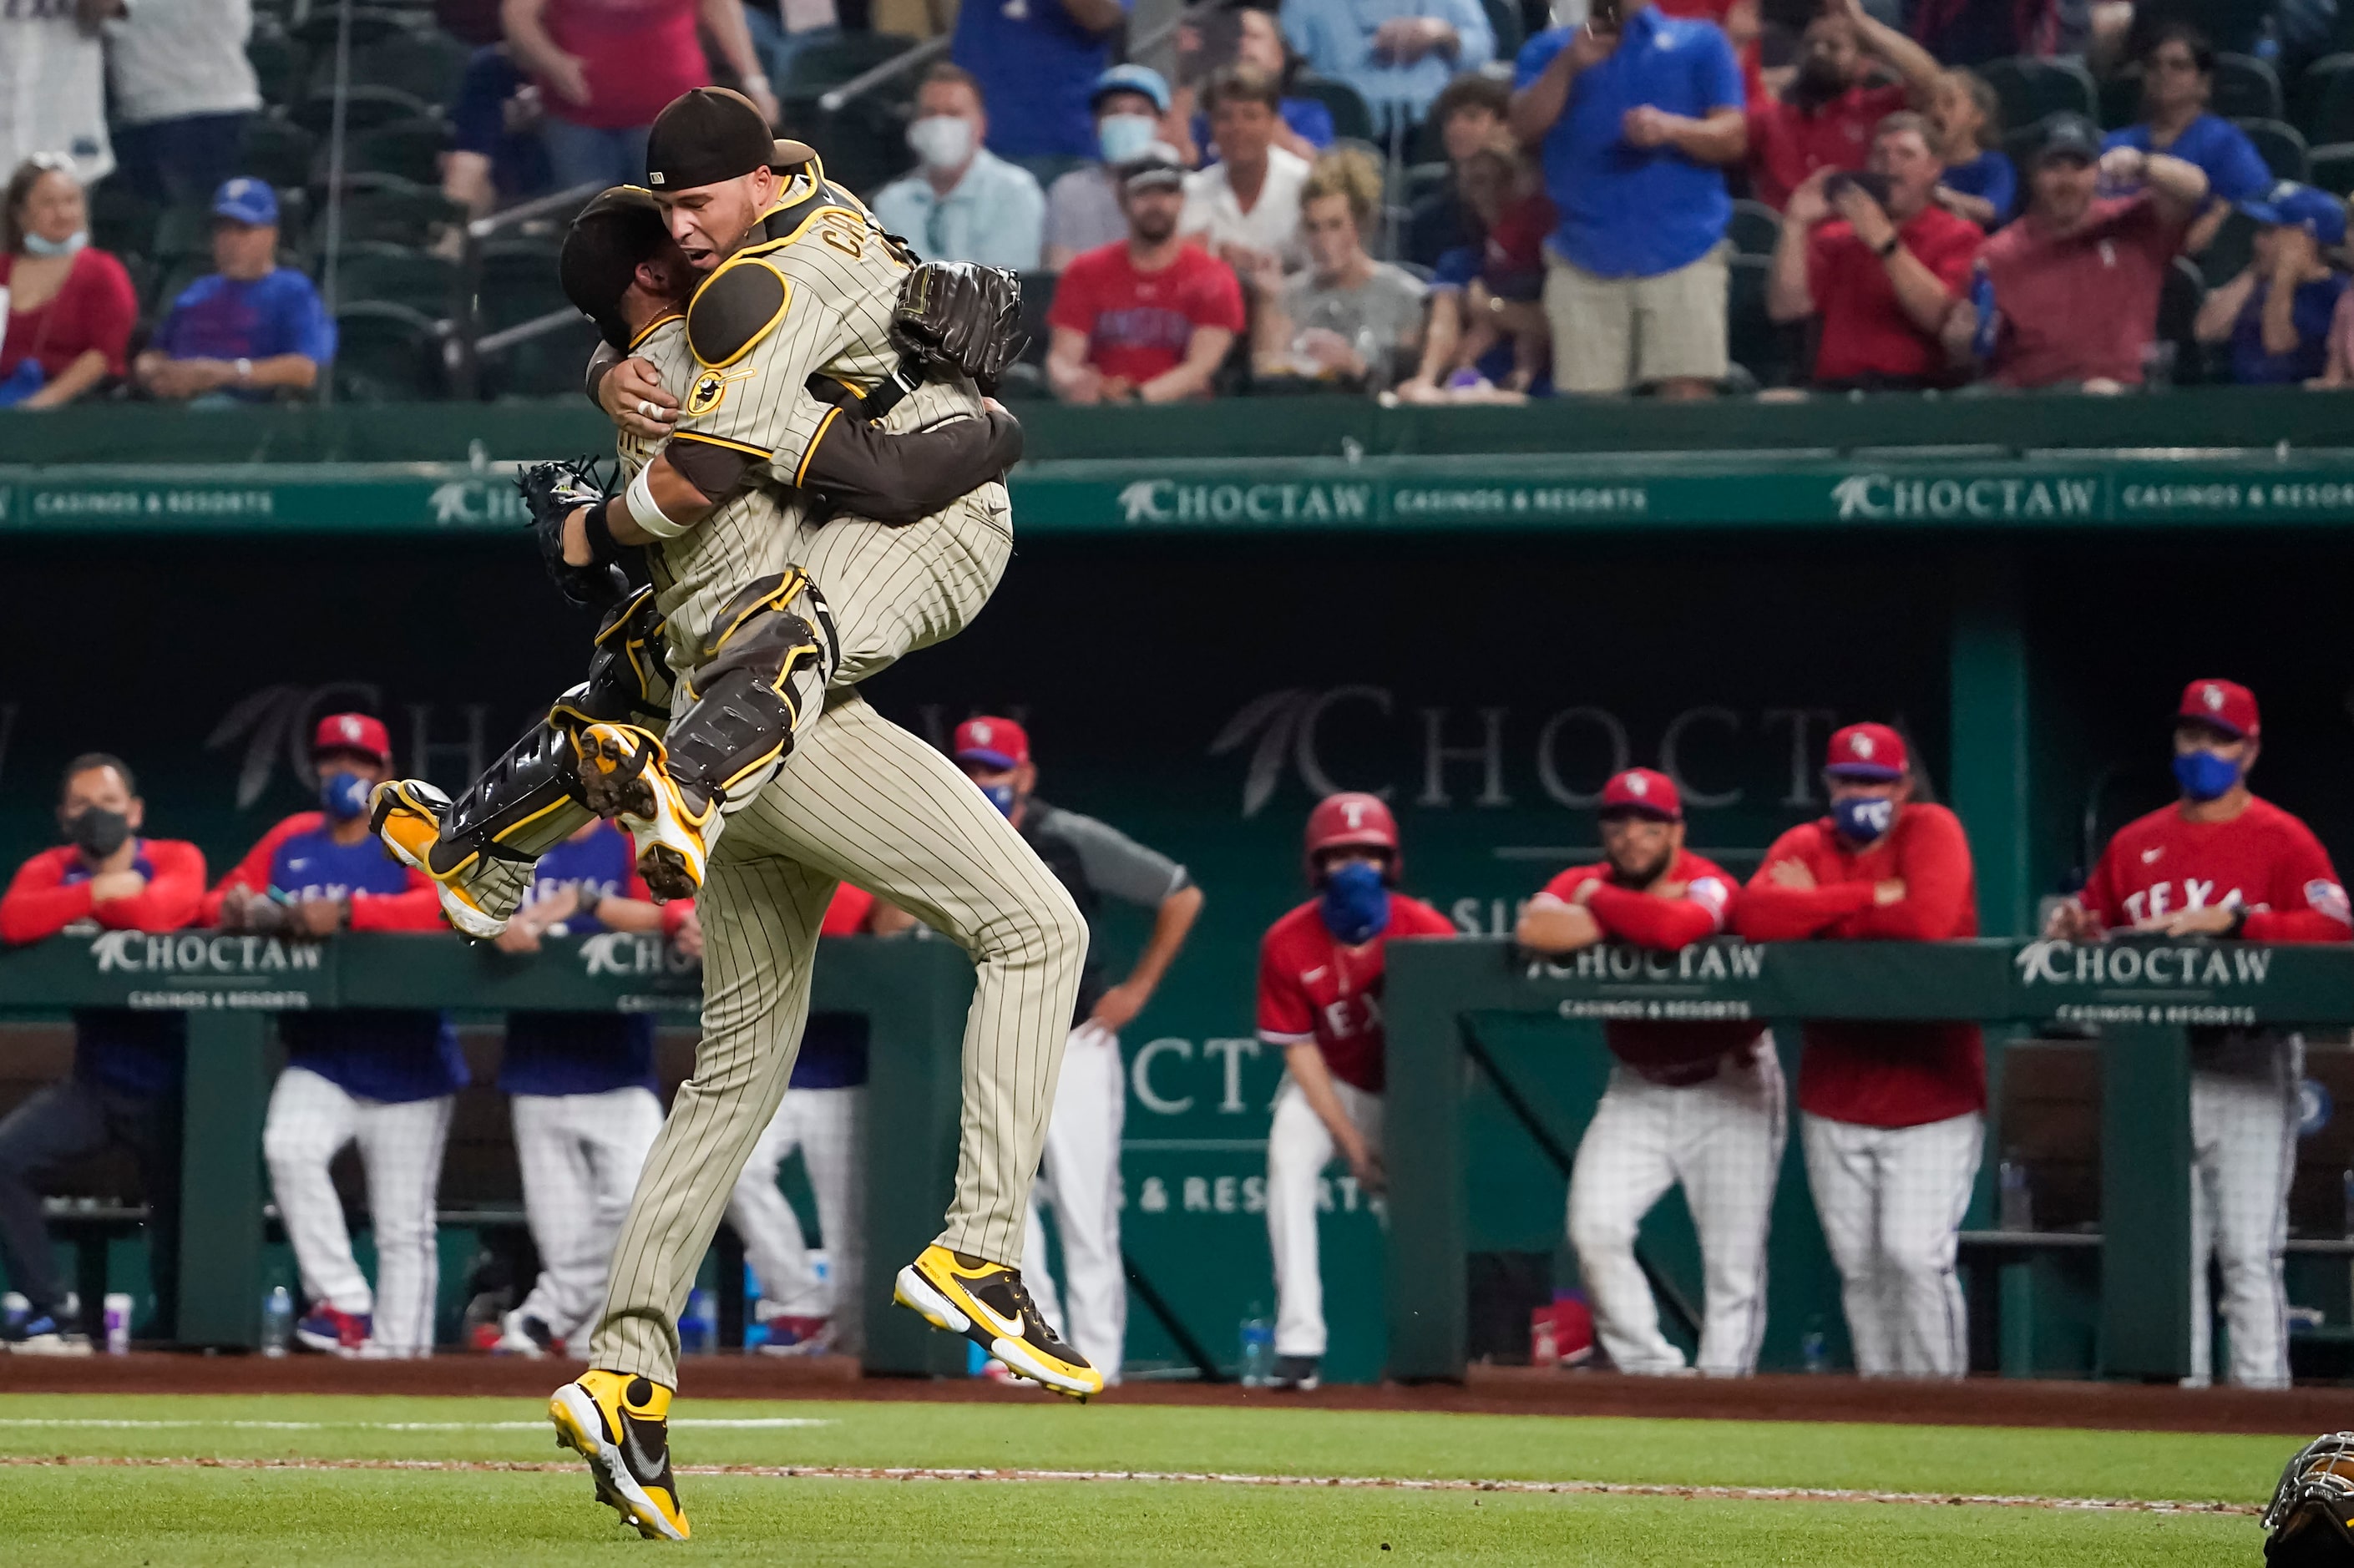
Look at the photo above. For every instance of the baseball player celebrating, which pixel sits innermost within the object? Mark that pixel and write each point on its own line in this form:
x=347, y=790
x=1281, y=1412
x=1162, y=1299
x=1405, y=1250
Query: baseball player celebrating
x=1893, y=1113
x=2222, y=862
x=1320, y=990
x=385, y=1079
x=1082, y=1177
x=580, y=1087
x=1699, y=1103
x=824, y=1116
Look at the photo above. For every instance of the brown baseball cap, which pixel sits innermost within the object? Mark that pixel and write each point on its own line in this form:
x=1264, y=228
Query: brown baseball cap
x=713, y=135
x=619, y=229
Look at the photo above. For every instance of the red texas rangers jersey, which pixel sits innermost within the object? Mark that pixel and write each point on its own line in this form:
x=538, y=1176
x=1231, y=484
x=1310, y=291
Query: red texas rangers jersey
x=2264, y=860
x=1312, y=988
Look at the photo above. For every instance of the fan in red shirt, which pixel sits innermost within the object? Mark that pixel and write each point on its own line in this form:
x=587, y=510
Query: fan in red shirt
x=1696, y=1104
x=1893, y=1112
x=1826, y=118
x=1148, y=319
x=128, y=1067
x=1319, y=993
x=2222, y=862
x=1881, y=268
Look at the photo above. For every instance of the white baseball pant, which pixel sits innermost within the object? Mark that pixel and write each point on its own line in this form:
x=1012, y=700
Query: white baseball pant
x=1722, y=1139
x=1298, y=1147
x=829, y=1127
x=2243, y=1158
x=1081, y=1179
x=580, y=1156
x=1891, y=1200
x=309, y=1121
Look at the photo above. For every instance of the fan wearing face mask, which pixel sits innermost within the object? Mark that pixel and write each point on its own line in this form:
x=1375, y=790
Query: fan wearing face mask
x=963, y=203
x=2222, y=862
x=1083, y=211
x=384, y=1078
x=1892, y=1115
x=1319, y=1002
x=125, y=1088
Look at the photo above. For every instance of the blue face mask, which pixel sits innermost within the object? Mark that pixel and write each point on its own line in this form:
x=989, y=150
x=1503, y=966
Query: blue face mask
x=2205, y=775
x=1862, y=819
x=343, y=796
x=37, y=245
x=1355, y=904
x=1124, y=136
x=1002, y=797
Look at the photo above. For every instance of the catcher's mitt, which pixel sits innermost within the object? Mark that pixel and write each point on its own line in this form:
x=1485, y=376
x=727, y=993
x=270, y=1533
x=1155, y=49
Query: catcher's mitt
x=551, y=492
x=960, y=316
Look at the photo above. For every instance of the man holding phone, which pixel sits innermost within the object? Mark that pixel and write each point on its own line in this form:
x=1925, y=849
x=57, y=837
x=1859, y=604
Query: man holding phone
x=1634, y=115
x=1879, y=261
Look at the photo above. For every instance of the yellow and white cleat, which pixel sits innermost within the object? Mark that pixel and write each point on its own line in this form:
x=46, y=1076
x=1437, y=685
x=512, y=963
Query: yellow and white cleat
x=478, y=892
x=620, y=1424
x=625, y=775
x=987, y=1303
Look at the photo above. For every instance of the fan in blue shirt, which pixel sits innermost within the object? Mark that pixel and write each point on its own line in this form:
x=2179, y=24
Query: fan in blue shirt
x=2177, y=79
x=251, y=329
x=2301, y=225
x=1042, y=55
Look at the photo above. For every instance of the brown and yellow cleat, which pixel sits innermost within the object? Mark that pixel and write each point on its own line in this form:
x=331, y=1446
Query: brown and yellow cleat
x=987, y=1303
x=620, y=1424
x=625, y=775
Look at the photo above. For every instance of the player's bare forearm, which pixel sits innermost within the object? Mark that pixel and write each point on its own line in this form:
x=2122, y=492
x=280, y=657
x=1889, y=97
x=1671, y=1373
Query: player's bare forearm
x=1171, y=924
x=1551, y=925
x=1306, y=1064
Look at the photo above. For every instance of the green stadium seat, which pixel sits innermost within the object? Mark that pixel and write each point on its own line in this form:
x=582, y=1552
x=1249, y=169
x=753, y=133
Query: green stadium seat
x=1504, y=18
x=278, y=62
x=1352, y=119
x=1422, y=179
x=2281, y=144
x=275, y=150
x=2180, y=297
x=1755, y=230
x=120, y=219
x=409, y=149
x=2234, y=246
x=367, y=107
x=822, y=66
x=386, y=209
x=2121, y=97
x=318, y=27
x=2325, y=100
x=2246, y=89
x=430, y=64
x=2032, y=89
x=182, y=232
x=373, y=271
x=2332, y=167
x=1760, y=346
x=546, y=366
x=168, y=280
x=515, y=282
x=387, y=354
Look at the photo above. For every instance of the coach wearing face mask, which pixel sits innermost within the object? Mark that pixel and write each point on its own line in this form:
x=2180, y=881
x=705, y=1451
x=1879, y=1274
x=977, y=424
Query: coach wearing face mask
x=125, y=1088
x=1891, y=1114
x=963, y=203
x=384, y=1077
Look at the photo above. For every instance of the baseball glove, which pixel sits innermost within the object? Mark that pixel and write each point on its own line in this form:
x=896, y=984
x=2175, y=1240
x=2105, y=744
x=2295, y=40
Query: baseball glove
x=551, y=492
x=960, y=316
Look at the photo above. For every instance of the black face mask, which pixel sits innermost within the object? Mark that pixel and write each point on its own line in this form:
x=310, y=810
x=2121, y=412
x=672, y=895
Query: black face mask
x=97, y=832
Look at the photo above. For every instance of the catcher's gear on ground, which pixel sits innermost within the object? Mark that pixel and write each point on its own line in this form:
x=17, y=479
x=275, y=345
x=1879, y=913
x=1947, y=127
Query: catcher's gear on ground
x=2307, y=1524
x=551, y=492
x=960, y=316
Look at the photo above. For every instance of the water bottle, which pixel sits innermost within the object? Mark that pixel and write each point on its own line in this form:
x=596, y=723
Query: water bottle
x=16, y=1309
x=116, y=1317
x=1258, y=1348
x=1989, y=313
x=1814, y=1349
x=696, y=1325
x=2018, y=1199
x=277, y=1321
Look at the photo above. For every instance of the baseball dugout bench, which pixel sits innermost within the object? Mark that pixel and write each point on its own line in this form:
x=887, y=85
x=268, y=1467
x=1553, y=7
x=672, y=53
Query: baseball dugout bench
x=2140, y=998
x=912, y=993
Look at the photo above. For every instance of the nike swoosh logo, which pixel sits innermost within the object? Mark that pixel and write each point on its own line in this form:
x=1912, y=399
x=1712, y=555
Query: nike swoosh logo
x=1005, y=1329
x=646, y=1466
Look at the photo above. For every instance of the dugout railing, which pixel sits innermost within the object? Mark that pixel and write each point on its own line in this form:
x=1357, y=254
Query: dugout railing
x=2138, y=998
x=913, y=995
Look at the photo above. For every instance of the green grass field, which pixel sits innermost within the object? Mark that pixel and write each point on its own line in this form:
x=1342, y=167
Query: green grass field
x=450, y=1506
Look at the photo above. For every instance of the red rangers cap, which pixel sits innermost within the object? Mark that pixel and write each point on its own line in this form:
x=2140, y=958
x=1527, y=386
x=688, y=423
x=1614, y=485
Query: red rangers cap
x=2226, y=704
x=1644, y=793
x=992, y=742
x=1870, y=751
x=362, y=733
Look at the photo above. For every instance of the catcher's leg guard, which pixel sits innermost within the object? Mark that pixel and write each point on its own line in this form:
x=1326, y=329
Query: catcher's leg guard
x=759, y=675
x=480, y=849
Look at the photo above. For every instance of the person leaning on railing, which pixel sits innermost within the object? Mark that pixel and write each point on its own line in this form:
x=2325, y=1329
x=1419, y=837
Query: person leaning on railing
x=1891, y=1114
x=2222, y=862
x=128, y=1067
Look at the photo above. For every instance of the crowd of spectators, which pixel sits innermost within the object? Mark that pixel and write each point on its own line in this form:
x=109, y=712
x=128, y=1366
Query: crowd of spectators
x=1645, y=196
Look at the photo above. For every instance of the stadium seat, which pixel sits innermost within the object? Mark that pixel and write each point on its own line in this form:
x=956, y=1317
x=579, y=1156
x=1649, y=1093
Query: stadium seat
x=373, y=271
x=2325, y=100
x=2332, y=167
x=275, y=150
x=316, y=30
x=167, y=282
x=387, y=209
x=2181, y=356
x=1761, y=345
x=182, y=232
x=1422, y=179
x=120, y=219
x=2121, y=98
x=430, y=64
x=409, y=149
x=1037, y=299
x=1351, y=119
x=546, y=366
x=2031, y=89
x=822, y=66
x=387, y=354
x=2232, y=248
x=2281, y=144
x=1504, y=19
x=515, y=282
x=278, y=63
x=1755, y=230
x=368, y=107
x=2246, y=89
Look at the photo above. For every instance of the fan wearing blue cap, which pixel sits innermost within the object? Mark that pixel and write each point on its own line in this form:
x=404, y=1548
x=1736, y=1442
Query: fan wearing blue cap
x=1129, y=103
x=251, y=329
x=2276, y=313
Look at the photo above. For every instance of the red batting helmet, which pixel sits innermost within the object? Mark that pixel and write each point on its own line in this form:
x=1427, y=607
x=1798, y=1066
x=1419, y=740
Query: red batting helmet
x=1353, y=820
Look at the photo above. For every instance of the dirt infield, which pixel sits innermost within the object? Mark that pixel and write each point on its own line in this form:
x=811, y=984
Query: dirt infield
x=1983, y=1401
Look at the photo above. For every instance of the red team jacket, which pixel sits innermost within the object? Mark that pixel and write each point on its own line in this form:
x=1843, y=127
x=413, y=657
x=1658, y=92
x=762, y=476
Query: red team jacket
x=2264, y=860
x=416, y=908
x=1878, y=1075
x=41, y=903
x=1665, y=1053
x=1312, y=988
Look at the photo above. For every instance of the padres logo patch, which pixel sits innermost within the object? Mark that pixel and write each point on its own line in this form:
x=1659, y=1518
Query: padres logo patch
x=710, y=391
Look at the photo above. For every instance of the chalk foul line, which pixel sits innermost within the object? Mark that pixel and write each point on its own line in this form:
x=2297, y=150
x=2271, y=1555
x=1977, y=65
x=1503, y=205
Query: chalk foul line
x=1202, y=1478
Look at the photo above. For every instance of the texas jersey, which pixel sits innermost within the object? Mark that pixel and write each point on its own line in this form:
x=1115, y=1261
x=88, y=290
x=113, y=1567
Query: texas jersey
x=2263, y=861
x=1700, y=908
x=1311, y=985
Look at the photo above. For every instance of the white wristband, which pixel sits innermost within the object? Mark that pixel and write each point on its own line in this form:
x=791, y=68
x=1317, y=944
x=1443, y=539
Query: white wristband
x=643, y=510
